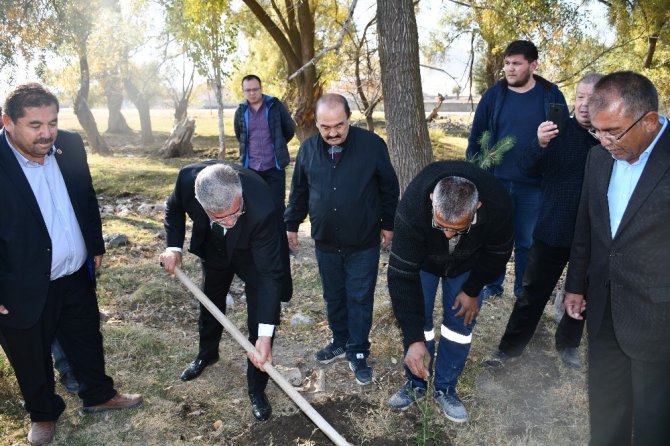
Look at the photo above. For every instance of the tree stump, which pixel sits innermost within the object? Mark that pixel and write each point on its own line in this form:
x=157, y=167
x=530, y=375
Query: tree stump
x=179, y=142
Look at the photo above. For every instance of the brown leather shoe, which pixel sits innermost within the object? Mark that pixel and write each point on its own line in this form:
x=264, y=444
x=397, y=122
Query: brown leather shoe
x=118, y=402
x=41, y=432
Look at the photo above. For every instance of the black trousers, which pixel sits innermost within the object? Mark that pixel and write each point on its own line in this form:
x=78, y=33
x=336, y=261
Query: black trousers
x=276, y=179
x=628, y=398
x=72, y=316
x=217, y=275
x=545, y=266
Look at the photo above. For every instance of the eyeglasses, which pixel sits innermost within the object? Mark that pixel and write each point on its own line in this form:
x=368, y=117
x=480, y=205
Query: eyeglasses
x=437, y=226
x=611, y=139
x=229, y=221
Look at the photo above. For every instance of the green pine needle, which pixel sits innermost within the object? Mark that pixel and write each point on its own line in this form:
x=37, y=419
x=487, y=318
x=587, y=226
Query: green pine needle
x=488, y=158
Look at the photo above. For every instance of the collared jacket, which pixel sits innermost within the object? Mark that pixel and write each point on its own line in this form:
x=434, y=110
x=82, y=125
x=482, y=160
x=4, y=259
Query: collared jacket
x=349, y=202
x=281, y=130
x=417, y=246
x=488, y=111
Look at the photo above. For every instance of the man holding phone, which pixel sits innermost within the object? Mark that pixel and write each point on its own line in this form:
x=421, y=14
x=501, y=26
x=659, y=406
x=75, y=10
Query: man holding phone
x=558, y=155
x=514, y=107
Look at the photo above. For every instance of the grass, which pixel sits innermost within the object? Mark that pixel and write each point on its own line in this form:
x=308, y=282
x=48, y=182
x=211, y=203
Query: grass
x=150, y=331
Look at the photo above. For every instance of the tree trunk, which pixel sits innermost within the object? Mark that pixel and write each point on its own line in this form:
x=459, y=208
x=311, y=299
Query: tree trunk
x=83, y=112
x=116, y=123
x=297, y=47
x=434, y=114
x=409, y=144
x=179, y=143
x=142, y=105
x=369, y=121
x=219, y=102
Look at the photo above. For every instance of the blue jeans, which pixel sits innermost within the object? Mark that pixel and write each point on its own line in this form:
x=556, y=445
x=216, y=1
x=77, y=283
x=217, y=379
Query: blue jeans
x=60, y=360
x=455, y=336
x=526, y=201
x=349, y=281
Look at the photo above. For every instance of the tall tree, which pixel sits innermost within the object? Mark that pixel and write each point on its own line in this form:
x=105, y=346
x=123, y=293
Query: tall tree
x=208, y=37
x=292, y=29
x=409, y=143
x=76, y=18
x=642, y=39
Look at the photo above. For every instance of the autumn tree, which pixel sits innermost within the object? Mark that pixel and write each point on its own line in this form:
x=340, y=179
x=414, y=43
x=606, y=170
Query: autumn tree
x=208, y=37
x=291, y=27
x=408, y=140
x=642, y=39
x=74, y=21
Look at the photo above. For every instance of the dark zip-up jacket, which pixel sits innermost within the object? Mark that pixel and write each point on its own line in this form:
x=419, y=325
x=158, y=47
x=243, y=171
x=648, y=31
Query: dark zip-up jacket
x=281, y=130
x=348, y=202
x=484, y=250
x=487, y=117
x=561, y=167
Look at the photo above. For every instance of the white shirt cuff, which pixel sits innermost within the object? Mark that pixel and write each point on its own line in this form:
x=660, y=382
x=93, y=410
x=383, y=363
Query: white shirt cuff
x=173, y=248
x=266, y=329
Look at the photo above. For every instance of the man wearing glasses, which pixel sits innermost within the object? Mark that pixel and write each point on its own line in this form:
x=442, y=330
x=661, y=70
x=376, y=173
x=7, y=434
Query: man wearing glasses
x=454, y=221
x=234, y=232
x=619, y=264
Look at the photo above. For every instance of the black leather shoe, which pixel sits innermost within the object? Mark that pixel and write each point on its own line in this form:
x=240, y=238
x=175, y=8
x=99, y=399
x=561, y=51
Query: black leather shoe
x=260, y=406
x=195, y=368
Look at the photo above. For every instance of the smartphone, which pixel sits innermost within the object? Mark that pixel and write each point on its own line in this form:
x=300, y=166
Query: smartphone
x=558, y=113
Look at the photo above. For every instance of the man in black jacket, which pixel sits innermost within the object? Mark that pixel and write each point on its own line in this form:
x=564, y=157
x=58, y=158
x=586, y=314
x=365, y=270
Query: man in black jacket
x=234, y=232
x=559, y=159
x=344, y=178
x=455, y=222
x=49, y=226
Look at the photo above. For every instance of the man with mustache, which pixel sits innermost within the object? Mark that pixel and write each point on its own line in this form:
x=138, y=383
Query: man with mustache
x=344, y=179
x=619, y=264
x=515, y=106
x=49, y=226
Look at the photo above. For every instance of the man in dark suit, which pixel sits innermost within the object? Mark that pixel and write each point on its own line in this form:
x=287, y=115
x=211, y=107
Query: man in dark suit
x=49, y=225
x=619, y=264
x=235, y=231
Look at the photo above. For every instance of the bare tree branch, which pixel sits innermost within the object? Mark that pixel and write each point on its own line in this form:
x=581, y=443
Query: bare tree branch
x=440, y=70
x=336, y=47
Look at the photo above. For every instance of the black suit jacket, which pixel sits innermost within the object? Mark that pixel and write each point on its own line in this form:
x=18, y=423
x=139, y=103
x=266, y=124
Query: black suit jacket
x=633, y=267
x=253, y=239
x=25, y=245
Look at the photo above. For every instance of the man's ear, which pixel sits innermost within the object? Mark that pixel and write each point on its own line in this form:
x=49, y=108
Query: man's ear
x=479, y=204
x=533, y=66
x=650, y=121
x=431, y=197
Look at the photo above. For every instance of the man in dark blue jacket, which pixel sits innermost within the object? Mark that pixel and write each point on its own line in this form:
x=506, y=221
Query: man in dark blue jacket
x=264, y=127
x=514, y=107
x=344, y=178
x=559, y=159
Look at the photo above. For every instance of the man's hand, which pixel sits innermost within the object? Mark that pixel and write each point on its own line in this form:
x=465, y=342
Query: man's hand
x=97, y=261
x=546, y=132
x=417, y=359
x=469, y=307
x=575, y=304
x=264, y=347
x=386, y=237
x=170, y=260
x=292, y=237
x=3, y=310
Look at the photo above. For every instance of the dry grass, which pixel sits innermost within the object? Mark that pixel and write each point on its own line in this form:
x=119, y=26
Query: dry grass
x=150, y=335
